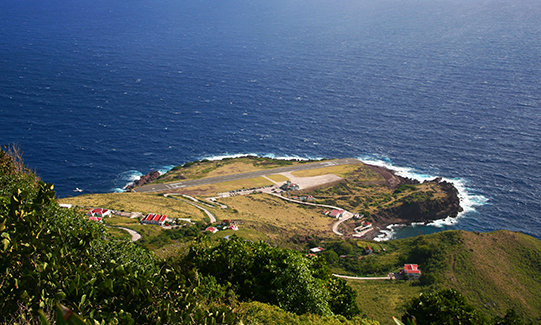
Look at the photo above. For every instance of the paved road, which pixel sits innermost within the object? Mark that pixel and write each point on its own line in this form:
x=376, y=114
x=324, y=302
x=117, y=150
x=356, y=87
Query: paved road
x=347, y=215
x=207, y=212
x=236, y=177
x=135, y=236
x=362, y=278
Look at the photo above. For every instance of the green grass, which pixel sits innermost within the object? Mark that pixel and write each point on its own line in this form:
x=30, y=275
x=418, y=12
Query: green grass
x=117, y=233
x=381, y=300
x=495, y=271
x=213, y=189
x=256, y=313
x=203, y=169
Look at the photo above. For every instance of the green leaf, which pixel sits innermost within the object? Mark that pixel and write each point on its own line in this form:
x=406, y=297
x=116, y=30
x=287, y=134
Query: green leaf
x=5, y=241
x=60, y=295
x=83, y=299
x=44, y=320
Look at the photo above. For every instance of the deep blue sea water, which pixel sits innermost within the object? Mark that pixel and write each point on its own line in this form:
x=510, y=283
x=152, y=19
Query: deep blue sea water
x=98, y=92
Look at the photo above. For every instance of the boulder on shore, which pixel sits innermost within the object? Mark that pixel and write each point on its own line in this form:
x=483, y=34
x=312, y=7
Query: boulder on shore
x=145, y=179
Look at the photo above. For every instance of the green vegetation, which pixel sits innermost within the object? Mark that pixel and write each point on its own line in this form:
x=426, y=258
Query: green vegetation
x=280, y=277
x=257, y=313
x=449, y=307
x=227, y=166
x=50, y=255
x=366, y=191
x=495, y=272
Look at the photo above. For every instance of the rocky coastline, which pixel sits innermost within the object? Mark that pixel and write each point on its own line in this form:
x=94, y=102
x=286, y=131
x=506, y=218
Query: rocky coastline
x=145, y=179
x=412, y=211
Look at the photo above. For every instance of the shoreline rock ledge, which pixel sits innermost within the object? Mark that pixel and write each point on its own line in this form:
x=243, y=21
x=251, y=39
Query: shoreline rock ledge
x=423, y=211
x=145, y=179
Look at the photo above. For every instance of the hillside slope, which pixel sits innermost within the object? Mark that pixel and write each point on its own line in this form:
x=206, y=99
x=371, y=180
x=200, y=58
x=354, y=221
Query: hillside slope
x=497, y=271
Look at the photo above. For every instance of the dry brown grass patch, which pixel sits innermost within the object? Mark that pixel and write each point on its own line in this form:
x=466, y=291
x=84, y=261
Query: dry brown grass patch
x=273, y=212
x=138, y=202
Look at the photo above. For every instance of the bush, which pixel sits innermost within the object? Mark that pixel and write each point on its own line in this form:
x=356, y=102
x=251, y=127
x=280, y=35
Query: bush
x=281, y=277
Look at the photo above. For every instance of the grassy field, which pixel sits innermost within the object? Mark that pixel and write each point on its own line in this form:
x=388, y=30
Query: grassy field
x=495, y=271
x=223, y=167
x=365, y=191
x=342, y=171
x=138, y=202
x=279, y=220
x=381, y=300
x=278, y=178
x=213, y=189
x=117, y=233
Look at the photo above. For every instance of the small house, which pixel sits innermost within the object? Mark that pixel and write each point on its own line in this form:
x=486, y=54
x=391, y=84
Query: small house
x=317, y=249
x=99, y=212
x=336, y=213
x=368, y=250
x=410, y=271
x=212, y=229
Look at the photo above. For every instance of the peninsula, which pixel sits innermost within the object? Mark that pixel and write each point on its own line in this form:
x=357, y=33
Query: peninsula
x=254, y=191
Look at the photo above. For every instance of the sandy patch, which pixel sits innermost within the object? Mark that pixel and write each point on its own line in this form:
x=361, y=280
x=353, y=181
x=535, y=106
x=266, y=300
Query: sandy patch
x=307, y=182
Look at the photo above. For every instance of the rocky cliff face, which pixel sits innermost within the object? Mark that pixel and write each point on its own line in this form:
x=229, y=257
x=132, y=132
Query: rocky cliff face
x=414, y=209
x=145, y=179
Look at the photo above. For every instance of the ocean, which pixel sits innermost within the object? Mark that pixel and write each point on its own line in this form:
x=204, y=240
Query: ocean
x=99, y=92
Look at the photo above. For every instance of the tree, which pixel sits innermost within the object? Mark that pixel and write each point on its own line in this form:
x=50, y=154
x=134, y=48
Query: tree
x=50, y=255
x=281, y=277
x=446, y=307
x=511, y=318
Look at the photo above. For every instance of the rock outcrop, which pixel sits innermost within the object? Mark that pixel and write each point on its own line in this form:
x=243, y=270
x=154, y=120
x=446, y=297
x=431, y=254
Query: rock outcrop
x=145, y=179
x=421, y=209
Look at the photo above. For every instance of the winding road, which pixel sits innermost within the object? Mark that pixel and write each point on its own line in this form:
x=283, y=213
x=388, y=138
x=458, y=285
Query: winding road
x=207, y=212
x=135, y=236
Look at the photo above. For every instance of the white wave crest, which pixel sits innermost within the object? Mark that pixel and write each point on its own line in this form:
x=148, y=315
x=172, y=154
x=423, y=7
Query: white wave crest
x=468, y=200
x=388, y=233
x=269, y=155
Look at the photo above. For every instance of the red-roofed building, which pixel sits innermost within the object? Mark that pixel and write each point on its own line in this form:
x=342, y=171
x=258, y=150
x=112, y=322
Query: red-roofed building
x=411, y=271
x=212, y=229
x=99, y=212
x=368, y=250
x=154, y=219
x=96, y=219
x=336, y=213
x=233, y=227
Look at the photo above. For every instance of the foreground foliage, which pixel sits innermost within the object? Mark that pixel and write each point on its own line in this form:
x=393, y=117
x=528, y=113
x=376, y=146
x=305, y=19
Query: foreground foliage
x=50, y=255
x=282, y=277
x=449, y=307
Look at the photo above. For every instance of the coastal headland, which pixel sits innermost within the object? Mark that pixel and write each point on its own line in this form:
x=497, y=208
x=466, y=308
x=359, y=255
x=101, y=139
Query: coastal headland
x=368, y=195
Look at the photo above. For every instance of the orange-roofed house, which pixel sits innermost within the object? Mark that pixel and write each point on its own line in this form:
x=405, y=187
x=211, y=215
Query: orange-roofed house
x=212, y=229
x=411, y=271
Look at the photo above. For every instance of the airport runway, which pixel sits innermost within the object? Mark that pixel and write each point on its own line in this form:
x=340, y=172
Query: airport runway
x=220, y=179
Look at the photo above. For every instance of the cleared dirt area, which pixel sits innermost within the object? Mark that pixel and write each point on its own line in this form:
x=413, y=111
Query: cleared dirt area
x=308, y=182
